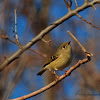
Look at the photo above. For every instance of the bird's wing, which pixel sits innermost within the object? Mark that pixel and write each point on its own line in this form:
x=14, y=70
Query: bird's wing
x=53, y=58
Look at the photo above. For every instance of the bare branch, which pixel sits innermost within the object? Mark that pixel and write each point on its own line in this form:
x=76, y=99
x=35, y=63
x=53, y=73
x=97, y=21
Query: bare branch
x=47, y=42
x=6, y=37
x=17, y=40
x=68, y=5
x=45, y=31
x=87, y=22
x=94, y=7
x=76, y=3
x=84, y=50
x=54, y=82
x=43, y=55
x=87, y=1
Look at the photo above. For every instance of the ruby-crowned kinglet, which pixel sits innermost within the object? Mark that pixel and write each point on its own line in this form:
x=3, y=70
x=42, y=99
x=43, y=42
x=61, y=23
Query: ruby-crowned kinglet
x=60, y=60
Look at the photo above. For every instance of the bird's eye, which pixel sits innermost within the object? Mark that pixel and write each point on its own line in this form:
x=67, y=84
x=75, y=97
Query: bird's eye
x=63, y=47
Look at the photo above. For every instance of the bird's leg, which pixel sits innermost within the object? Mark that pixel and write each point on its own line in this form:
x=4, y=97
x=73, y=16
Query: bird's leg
x=54, y=73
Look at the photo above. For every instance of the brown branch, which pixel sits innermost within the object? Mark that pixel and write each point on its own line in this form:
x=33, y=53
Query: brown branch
x=17, y=40
x=43, y=55
x=77, y=41
x=84, y=50
x=68, y=5
x=47, y=42
x=6, y=37
x=76, y=3
x=87, y=21
x=45, y=31
x=94, y=7
x=54, y=82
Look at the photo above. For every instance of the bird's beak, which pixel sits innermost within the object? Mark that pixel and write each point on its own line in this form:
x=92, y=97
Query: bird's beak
x=69, y=42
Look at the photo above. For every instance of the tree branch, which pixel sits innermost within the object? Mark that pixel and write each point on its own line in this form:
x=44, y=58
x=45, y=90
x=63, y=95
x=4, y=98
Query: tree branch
x=17, y=39
x=84, y=50
x=87, y=21
x=54, y=82
x=45, y=31
x=76, y=3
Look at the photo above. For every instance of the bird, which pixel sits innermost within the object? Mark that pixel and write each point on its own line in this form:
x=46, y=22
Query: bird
x=61, y=59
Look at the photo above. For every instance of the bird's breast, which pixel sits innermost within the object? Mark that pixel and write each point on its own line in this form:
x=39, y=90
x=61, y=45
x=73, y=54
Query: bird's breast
x=61, y=62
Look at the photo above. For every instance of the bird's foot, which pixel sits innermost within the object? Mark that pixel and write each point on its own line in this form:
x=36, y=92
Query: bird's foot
x=57, y=77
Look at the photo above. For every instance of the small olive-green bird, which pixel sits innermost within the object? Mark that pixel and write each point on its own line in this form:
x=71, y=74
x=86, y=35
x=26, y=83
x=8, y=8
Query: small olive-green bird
x=60, y=60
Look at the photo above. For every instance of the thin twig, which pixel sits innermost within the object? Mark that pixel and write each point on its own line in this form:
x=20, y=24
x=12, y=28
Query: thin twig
x=77, y=41
x=76, y=3
x=43, y=55
x=47, y=42
x=68, y=5
x=84, y=50
x=87, y=22
x=94, y=7
x=17, y=40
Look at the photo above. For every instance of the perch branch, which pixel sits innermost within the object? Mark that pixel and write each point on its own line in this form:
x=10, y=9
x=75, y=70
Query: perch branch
x=54, y=82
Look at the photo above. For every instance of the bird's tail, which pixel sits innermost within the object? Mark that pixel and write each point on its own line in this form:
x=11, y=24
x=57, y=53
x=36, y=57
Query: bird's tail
x=42, y=71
